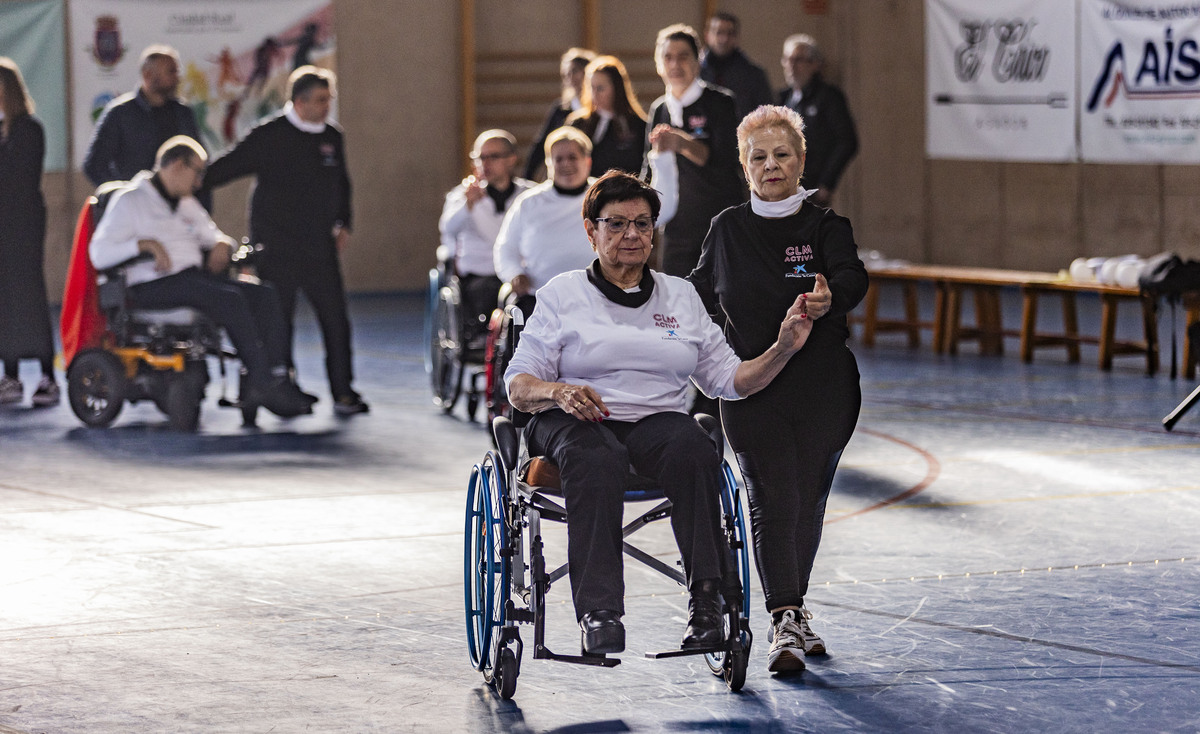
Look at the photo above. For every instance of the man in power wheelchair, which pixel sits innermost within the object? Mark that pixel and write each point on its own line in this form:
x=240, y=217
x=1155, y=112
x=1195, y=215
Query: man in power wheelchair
x=604, y=365
x=171, y=252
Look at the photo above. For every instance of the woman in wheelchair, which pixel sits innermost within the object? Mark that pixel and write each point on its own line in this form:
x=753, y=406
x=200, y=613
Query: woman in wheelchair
x=157, y=215
x=604, y=364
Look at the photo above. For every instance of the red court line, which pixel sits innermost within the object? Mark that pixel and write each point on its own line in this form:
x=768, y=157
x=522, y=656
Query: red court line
x=931, y=474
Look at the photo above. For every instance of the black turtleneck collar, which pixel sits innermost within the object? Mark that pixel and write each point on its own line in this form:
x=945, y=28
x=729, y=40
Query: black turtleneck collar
x=571, y=192
x=617, y=295
x=172, y=201
x=501, y=196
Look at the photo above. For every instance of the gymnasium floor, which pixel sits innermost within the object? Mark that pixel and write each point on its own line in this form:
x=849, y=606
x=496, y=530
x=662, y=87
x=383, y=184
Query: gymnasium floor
x=1008, y=548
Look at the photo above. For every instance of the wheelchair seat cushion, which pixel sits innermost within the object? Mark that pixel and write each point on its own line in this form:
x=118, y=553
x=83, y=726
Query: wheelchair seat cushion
x=540, y=472
x=182, y=316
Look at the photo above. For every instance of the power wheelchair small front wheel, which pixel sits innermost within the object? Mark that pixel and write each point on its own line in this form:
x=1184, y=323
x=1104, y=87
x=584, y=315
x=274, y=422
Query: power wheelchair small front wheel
x=185, y=394
x=96, y=387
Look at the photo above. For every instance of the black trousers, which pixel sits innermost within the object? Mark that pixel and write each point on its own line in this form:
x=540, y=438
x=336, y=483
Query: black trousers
x=788, y=451
x=594, y=461
x=479, y=296
x=321, y=281
x=249, y=313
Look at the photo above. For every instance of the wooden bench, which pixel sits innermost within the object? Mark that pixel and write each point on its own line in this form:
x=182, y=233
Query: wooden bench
x=950, y=284
x=1111, y=297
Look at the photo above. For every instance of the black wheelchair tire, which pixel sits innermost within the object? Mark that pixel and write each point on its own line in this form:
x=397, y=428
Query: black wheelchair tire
x=504, y=678
x=185, y=394
x=96, y=387
x=446, y=349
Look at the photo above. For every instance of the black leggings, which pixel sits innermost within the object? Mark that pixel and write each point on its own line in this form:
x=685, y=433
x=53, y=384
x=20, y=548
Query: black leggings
x=788, y=451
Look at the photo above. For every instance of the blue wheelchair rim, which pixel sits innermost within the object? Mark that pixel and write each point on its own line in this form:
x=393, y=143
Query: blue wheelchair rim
x=485, y=570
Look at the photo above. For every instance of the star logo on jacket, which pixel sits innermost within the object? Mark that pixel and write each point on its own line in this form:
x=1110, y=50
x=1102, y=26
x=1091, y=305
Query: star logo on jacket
x=800, y=271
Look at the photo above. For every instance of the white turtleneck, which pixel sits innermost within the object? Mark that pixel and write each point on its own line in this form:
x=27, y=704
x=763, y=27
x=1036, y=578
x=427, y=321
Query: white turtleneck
x=675, y=105
x=779, y=209
x=289, y=111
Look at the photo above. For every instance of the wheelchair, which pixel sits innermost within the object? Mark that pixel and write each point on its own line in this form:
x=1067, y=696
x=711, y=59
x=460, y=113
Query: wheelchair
x=506, y=581
x=454, y=354
x=159, y=355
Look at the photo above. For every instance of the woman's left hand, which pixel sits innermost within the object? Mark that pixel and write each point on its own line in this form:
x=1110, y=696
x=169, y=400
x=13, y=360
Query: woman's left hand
x=818, y=303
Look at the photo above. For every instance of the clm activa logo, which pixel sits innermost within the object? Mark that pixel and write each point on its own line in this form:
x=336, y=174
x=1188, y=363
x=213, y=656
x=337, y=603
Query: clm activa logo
x=1165, y=68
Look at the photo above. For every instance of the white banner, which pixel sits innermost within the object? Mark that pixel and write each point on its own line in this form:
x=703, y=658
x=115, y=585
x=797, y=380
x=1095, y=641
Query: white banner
x=1139, y=81
x=236, y=56
x=1000, y=79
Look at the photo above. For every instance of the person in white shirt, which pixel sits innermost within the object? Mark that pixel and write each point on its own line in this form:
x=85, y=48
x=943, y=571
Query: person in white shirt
x=471, y=219
x=541, y=235
x=604, y=363
x=157, y=214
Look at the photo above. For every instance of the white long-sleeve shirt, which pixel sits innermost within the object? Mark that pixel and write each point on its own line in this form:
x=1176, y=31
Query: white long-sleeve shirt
x=638, y=359
x=139, y=212
x=542, y=236
x=470, y=232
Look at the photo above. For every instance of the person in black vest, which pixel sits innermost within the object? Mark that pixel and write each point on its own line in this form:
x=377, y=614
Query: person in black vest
x=698, y=123
x=724, y=65
x=300, y=213
x=24, y=313
x=611, y=117
x=134, y=126
x=828, y=126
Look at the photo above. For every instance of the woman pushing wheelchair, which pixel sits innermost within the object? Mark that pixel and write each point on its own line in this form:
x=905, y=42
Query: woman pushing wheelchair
x=604, y=364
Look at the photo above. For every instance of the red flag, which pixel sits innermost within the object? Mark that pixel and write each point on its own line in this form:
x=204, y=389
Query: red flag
x=82, y=323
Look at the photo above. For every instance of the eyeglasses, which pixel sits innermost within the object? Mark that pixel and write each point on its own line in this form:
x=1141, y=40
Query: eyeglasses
x=198, y=170
x=617, y=225
x=488, y=157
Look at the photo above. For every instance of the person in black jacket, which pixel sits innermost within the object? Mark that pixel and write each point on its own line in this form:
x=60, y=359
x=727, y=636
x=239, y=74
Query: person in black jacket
x=611, y=117
x=134, y=126
x=300, y=213
x=828, y=126
x=758, y=259
x=572, y=68
x=725, y=65
x=698, y=123
x=24, y=314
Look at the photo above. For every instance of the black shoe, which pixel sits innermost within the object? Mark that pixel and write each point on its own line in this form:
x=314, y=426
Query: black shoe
x=602, y=632
x=282, y=398
x=350, y=404
x=706, y=626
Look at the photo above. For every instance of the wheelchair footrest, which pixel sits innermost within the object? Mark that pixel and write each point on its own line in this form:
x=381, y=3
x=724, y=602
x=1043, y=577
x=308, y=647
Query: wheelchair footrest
x=542, y=652
x=685, y=651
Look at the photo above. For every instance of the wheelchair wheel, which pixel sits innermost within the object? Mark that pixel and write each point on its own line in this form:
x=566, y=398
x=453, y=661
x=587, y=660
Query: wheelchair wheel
x=445, y=349
x=504, y=680
x=185, y=393
x=496, y=357
x=96, y=387
x=732, y=667
x=486, y=566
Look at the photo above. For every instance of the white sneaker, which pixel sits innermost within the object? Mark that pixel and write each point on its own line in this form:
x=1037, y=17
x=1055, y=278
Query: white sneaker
x=47, y=393
x=813, y=645
x=11, y=390
x=787, y=648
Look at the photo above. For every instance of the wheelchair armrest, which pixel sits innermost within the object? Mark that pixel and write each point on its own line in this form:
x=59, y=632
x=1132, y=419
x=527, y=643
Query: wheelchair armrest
x=119, y=268
x=712, y=427
x=506, y=441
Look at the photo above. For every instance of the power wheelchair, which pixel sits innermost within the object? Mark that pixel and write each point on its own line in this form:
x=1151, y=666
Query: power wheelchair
x=506, y=580
x=159, y=355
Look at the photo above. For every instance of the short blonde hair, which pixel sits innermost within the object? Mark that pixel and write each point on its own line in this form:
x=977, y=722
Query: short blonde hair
x=569, y=134
x=771, y=116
